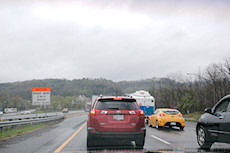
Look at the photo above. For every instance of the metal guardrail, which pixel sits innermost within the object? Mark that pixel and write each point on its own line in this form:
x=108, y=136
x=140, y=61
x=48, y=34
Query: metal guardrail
x=28, y=116
x=35, y=118
x=30, y=121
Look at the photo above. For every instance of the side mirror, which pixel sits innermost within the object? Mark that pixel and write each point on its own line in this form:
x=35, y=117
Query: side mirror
x=87, y=109
x=208, y=110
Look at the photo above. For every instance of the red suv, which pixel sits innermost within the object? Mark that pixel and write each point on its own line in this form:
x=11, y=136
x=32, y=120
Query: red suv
x=116, y=118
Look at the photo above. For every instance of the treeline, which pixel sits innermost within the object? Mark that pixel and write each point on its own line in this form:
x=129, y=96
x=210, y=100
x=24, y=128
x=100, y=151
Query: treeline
x=190, y=93
x=61, y=87
x=196, y=91
x=58, y=102
x=63, y=91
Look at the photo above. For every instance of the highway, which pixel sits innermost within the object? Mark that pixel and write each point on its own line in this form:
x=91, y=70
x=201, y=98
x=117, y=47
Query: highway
x=70, y=136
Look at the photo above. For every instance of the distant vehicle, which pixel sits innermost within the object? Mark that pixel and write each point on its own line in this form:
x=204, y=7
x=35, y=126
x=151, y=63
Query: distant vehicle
x=86, y=109
x=214, y=124
x=145, y=101
x=166, y=117
x=115, y=118
x=26, y=112
x=10, y=110
x=65, y=110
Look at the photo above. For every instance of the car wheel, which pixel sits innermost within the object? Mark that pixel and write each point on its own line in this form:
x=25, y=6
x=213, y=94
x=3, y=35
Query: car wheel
x=140, y=143
x=149, y=123
x=202, y=138
x=157, y=125
x=146, y=121
x=89, y=141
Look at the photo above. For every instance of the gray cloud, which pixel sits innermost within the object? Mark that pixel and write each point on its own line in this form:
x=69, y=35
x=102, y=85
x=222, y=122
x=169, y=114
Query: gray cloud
x=111, y=39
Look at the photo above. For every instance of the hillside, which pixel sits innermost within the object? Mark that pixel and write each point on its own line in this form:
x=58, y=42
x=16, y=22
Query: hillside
x=85, y=86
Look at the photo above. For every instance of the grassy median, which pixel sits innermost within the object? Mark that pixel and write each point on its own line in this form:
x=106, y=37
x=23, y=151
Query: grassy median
x=194, y=115
x=11, y=132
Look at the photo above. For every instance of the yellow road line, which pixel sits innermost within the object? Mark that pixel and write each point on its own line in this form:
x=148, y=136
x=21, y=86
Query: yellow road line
x=67, y=141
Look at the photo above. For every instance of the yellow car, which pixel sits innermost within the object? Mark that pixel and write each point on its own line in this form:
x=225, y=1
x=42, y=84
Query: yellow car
x=166, y=117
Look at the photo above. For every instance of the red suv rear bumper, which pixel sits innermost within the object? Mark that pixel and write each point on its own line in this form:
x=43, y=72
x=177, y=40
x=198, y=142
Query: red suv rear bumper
x=116, y=135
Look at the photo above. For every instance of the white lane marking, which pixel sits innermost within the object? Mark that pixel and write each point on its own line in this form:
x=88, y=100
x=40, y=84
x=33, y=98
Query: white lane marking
x=160, y=140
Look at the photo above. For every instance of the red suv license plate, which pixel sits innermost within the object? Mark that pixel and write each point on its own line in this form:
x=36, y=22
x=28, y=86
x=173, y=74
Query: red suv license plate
x=118, y=117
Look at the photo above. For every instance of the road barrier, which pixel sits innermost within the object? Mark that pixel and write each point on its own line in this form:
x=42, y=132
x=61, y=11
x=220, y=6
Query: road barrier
x=36, y=118
x=30, y=121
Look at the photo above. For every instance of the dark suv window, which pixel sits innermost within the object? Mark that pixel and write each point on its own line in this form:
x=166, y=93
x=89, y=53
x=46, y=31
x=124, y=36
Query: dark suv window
x=222, y=107
x=124, y=104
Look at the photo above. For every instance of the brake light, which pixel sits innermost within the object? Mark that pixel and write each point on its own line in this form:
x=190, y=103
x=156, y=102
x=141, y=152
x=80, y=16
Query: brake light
x=139, y=112
x=162, y=115
x=180, y=115
x=92, y=112
x=117, y=98
x=142, y=113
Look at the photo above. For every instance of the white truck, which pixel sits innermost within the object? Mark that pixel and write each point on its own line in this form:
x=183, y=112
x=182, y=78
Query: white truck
x=145, y=101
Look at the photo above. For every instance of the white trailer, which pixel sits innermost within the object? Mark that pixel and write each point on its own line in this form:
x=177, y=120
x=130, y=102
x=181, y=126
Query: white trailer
x=145, y=101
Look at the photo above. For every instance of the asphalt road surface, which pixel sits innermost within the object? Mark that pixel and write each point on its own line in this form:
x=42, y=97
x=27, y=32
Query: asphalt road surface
x=70, y=136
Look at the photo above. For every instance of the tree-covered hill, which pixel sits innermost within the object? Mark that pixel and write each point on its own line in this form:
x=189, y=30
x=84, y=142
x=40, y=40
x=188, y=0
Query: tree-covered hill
x=85, y=86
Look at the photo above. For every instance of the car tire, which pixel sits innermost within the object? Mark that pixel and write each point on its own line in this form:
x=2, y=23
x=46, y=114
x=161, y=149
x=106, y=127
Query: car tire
x=157, y=125
x=203, y=138
x=140, y=143
x=146, y=121
x=90, y=142
x=149, y=125
x=181, y=128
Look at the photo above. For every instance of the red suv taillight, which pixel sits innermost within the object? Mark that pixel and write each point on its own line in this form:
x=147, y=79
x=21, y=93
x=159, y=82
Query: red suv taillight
x=180, y=115
x=140, y=112
x=92, y=112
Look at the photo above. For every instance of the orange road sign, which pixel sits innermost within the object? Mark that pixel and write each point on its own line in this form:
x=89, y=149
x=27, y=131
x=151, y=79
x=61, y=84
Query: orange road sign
x=41, y=88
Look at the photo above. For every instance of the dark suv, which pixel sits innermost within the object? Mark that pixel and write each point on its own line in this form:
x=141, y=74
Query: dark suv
x=116, y=118
x=214, y=125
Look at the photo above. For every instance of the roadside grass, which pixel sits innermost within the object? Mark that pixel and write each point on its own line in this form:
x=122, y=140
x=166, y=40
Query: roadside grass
x=11, y=132
x=41, y=111
x=194, y=115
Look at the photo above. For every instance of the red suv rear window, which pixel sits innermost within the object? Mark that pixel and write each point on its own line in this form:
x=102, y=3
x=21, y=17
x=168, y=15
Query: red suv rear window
x=123, y=104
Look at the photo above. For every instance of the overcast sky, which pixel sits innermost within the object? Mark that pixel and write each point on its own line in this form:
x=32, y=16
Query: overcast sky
x=112, y=39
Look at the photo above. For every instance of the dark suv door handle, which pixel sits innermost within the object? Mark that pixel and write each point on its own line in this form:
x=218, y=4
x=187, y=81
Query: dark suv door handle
x=221, y=117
